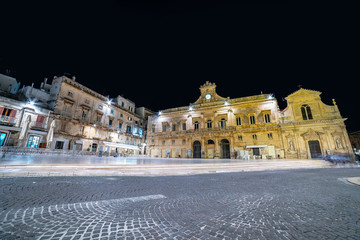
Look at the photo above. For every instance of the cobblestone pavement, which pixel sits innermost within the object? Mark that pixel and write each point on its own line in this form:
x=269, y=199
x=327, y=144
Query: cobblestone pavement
x=289, y=204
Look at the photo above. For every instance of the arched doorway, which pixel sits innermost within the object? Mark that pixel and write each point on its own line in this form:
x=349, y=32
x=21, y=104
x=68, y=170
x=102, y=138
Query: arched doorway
x=315, y=149
x=210, y=149
x=225, y=148
x=196, y=149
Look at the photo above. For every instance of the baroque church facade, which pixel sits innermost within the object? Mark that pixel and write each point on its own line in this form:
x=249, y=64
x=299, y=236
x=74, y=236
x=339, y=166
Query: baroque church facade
x=249, y=127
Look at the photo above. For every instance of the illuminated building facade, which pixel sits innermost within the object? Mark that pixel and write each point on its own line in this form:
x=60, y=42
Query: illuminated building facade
x=88, y=121
x=249, y=127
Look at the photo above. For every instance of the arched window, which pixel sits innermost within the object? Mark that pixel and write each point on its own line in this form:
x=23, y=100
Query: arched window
x=223, y=123
x=306, y=112
x=238, y=121
x=209, y=124
x=196, y=125
x=210, y=141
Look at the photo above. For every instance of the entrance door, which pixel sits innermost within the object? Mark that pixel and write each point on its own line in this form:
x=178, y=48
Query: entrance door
x=33, y=141
x=315, y=150
x=256, y=151
x=197, y=149
x=225, y=148
x=94, y=147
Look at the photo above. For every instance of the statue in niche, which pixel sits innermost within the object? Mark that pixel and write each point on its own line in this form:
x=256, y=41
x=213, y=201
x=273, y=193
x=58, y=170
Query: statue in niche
x=338, y=143
x=291, y=145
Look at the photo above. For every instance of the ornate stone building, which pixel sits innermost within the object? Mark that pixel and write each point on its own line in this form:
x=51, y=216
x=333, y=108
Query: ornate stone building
x=253, y=126
x=88, y=121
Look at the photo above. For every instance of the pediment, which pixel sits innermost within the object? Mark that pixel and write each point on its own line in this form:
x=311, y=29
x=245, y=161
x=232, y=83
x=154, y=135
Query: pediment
x=303, y=92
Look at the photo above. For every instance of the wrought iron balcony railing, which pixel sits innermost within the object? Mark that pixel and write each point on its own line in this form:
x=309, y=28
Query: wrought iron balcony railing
x=37, y=125
x=7, y=119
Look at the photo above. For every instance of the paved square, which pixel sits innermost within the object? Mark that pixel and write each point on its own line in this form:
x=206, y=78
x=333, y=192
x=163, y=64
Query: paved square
x=290, y=204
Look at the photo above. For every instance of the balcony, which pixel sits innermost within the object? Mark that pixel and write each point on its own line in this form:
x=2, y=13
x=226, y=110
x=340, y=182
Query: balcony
x=7, y=120
x=38, y=125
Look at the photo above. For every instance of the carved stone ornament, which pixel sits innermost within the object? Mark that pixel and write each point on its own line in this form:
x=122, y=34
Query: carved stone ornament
x=311, y=135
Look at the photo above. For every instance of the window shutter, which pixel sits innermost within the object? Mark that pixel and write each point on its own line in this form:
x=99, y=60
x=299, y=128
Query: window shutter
x=40, y=118
x=13, y=113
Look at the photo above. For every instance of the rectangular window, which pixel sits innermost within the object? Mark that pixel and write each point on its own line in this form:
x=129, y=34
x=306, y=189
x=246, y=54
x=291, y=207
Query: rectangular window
x=238, y=121
x=122, y=104
x=59, y=145
x=121, y=115
x=240, y=138
x=252, y=119
x=267, y=118
x=183, y=141
x=83, y=115
x=270, y=136
x=254, y=136
x=153, y=130
x=164, y=128
x=112, y=111
x=128, y=129
x=184, y=126
x=110, y=122
x=120, y=126
x=98, y=118
x=209, y=124
x=174, y=127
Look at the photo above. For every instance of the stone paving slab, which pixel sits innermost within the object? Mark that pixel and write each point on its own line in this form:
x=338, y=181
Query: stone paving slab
x=156, y=170
x=291, y=204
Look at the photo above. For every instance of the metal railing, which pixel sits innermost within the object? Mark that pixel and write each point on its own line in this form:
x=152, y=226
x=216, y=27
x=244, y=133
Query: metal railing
x=40, y=125
x=7, y=119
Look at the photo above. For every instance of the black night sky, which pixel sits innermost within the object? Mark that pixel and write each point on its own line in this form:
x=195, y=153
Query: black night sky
x=158, y=53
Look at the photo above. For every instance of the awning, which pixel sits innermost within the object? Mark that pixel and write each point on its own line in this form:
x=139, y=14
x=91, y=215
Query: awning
x=256, y=146
x=121, y=145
